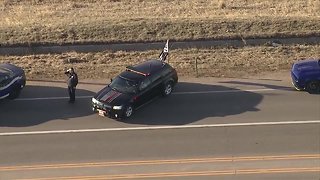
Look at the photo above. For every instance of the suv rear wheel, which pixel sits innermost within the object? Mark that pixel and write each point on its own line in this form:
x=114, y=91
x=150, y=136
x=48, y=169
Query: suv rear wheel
x=167, y=90
x=313, y=87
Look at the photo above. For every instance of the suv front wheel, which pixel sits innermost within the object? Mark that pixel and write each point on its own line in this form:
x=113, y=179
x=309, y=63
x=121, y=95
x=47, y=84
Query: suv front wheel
x=313, y=87
x=128, y=111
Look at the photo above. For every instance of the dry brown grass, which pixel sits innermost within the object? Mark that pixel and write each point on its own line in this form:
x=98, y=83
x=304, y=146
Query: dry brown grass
x=70, y=21
x=222, y=4
x=60, y=21
x=224, y=62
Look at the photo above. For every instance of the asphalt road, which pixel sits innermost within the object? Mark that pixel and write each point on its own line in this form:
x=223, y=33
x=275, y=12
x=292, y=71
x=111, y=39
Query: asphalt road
x=208, y=129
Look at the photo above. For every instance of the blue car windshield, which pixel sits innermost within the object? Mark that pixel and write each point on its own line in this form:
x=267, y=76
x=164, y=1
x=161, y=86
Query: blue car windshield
x=123, y=85
x=4, y=80
x=6, y=72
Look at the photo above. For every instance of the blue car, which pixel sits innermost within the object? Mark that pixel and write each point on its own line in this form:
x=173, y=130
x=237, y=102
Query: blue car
x=305, y=75
x=12, y=80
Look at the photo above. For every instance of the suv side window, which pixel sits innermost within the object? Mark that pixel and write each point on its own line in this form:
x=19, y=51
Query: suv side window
x=156, y=76
x=166, y=71
x=144, y=84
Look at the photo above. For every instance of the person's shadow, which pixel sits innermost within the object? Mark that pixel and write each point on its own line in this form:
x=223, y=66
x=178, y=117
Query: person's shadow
x=40, y=104
x=192, y=102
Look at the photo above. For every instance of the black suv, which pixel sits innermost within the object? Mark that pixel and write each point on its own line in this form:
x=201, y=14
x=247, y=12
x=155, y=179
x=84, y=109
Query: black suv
x=135, y=86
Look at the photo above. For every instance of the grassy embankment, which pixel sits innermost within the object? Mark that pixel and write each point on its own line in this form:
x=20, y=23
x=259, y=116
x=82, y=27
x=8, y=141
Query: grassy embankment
x=83, y=21
x=226, y=62
x=70, y=21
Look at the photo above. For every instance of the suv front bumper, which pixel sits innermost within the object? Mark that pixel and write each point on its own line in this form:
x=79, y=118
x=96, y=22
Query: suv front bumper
x=105, y=110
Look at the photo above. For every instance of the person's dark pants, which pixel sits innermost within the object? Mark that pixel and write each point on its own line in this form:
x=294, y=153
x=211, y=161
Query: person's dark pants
x=72, y=93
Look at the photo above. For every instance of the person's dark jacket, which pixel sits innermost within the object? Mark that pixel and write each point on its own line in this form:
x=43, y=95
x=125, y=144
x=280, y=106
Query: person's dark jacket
x=73, y=80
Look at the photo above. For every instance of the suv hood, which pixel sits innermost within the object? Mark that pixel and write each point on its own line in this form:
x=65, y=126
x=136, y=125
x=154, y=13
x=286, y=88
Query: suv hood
x=112, y=97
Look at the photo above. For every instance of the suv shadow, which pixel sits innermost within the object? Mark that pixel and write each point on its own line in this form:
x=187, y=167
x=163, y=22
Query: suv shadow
x=192, y=102
x=39, y=104
x=270, y=86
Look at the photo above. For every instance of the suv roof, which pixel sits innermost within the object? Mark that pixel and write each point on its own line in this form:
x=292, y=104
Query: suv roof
x=139, y=71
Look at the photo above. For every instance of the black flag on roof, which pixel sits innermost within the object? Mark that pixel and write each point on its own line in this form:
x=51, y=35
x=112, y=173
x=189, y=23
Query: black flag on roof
x=165, y=52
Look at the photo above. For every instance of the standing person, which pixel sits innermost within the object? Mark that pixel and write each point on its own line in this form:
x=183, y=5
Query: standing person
x=72, y=83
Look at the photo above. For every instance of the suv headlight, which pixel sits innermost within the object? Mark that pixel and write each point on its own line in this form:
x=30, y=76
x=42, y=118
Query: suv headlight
x=95, y=101
x=117, y=107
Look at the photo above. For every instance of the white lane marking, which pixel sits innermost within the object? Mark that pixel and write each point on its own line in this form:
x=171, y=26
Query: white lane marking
x=158, y=127
x=175, y=93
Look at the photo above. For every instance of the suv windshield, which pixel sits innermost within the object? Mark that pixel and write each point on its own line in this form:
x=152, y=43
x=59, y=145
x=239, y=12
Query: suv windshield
x=123, y=85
